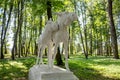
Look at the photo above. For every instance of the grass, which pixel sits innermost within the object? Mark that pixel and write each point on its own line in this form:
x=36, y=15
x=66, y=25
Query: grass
x=94, y=68
x=15, y=70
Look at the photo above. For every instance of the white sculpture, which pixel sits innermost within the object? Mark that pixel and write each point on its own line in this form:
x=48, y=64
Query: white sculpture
x=55, y=32
x=62, y=35
x=45, y=40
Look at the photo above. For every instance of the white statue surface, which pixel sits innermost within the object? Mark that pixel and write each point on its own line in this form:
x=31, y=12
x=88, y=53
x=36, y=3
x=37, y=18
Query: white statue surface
x=54, y=33
x=45, y=40
x=62, y=35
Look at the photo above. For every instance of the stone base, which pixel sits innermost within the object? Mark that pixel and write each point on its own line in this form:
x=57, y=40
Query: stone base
x=42, y=72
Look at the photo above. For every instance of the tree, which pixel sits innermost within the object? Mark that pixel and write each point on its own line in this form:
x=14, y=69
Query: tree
x=14, y=49
x=26, y=18
x=3, y=30
x=83, y=26
x=113, y=31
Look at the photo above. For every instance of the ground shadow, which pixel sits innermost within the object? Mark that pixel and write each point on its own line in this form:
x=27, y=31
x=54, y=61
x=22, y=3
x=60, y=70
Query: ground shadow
x=87, y=73
x=15, y=70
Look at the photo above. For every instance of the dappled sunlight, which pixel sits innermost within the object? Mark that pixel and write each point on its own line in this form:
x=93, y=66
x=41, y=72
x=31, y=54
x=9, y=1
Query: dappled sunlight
x=106, y=68
x=112, y=71
x=12, y=70
x=5, y=77
x=17, y=64
x=1, y=66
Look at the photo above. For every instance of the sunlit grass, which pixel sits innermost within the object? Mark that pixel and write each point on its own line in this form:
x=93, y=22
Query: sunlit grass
x=12, y=70
x=94, y=68
x=108, y=67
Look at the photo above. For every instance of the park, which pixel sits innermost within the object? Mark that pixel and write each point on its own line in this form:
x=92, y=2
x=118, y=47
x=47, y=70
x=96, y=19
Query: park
x=59, y=40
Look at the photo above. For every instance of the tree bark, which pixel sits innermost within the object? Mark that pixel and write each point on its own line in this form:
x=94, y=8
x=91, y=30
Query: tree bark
x=14, y=49
x=20, y=27
x=40, y=28
x=71, y=38
x=91, y=34
x=113, y=31
x=3, y=30
x=84, y=41
x=49, y=11
x=59, y=58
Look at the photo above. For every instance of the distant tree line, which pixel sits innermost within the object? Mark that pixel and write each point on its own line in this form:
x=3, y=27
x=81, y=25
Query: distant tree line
x=95, y=33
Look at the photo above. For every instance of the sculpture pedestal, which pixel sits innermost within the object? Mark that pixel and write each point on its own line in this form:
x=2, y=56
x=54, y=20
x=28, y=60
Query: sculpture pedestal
x=42, y=72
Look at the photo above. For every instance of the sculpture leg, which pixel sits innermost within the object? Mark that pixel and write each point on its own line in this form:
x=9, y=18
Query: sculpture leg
x=66, y=56
x=55, y=52
x=41, y=55
x=50, y=56
x=37, y=61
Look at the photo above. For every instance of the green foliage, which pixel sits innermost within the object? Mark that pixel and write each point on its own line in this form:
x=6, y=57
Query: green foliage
x=93, y=14
x=116, y=7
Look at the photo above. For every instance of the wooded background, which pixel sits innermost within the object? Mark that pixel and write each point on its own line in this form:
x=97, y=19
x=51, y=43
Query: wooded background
x=96, y=33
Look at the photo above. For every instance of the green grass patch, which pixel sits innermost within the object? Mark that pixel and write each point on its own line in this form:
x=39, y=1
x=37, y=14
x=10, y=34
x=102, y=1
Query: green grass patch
x=14, y=70
x=94, y=68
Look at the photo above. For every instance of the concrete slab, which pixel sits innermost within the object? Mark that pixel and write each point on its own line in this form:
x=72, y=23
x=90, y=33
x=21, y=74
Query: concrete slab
x=43, y=72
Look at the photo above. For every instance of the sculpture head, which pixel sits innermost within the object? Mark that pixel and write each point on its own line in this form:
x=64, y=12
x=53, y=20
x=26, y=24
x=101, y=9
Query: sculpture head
x=73, y=16
x=66, y=18
x=70, y=17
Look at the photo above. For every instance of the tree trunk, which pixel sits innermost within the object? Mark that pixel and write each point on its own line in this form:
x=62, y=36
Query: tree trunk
x=7, y=25
x=59, y=58
x=28, y=47
x=20, y=27
x=24, y=31
x=91, y=35
x=14, y=49
x=3, y=29
x=49, y=11
x=71, y=38
x=40, y=28
x=83, y=12
x=81, y=36
x=86, y=52
x=113, y=31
